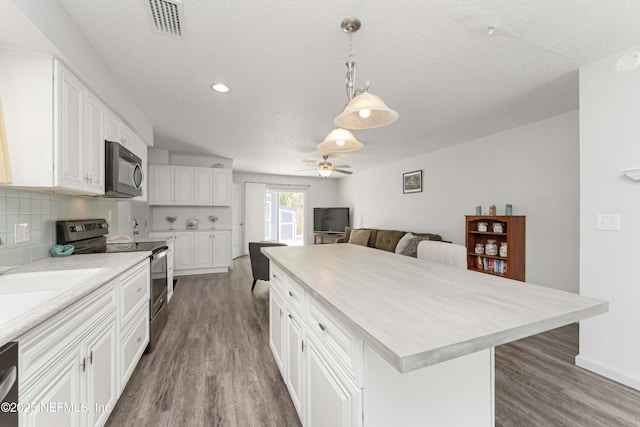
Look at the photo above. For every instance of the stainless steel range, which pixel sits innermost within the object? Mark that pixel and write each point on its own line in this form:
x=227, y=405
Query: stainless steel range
x=88, y=237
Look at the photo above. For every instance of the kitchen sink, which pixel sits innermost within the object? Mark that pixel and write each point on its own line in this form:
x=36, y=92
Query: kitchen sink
x=44, y=281
x=20, y=292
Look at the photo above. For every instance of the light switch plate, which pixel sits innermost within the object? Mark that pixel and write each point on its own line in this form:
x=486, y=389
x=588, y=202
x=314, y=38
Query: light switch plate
x=608, y=222
x=21, y=232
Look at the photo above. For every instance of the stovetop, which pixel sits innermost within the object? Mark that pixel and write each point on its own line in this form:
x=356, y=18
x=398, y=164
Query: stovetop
x=88, y=237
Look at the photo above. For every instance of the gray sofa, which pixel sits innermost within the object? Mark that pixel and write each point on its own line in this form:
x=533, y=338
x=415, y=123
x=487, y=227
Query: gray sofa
x=387, y=240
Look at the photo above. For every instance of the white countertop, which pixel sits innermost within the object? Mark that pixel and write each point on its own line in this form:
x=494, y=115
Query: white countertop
x=180, y=230
x=417, y=313
x=31, y=309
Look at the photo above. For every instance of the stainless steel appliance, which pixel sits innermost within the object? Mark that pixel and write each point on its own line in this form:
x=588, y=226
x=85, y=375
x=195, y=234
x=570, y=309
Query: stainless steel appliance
x=9, y=385
x=123, y=171
x=88, y=236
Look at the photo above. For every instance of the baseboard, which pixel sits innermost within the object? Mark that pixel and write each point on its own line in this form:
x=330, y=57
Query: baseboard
x=608, y=372
x=200, y=271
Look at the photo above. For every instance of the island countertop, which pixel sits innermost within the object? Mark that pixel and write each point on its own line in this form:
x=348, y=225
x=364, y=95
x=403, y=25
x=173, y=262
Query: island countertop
x=417, y=313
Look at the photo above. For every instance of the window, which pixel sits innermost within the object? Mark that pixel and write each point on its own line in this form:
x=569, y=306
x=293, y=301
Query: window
x=284, y=216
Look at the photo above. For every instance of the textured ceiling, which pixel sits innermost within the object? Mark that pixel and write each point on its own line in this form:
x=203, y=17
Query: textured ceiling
x=432, y=61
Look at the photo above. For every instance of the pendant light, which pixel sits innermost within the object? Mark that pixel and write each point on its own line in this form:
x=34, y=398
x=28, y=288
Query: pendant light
x=364, y=110
x=340, y=141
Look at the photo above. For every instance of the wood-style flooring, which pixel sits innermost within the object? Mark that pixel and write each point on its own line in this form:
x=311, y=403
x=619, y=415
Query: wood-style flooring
x=213, y=367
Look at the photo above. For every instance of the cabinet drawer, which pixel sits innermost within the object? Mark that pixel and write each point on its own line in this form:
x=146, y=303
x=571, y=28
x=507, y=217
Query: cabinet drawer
x=134, y=291
x=133, y=344
x=295, y=296
x=277, y=279
x=343, y=345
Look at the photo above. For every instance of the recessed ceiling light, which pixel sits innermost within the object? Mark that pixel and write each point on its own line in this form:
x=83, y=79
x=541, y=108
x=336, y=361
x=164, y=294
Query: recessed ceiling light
x=219, y=87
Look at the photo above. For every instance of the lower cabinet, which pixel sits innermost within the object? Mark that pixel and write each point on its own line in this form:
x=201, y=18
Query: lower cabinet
x=331, y=399
x=70, y=365
x=198, y=252
x=323, y=392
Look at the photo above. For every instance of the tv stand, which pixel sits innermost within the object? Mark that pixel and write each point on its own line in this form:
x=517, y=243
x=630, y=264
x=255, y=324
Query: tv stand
x=322, y=235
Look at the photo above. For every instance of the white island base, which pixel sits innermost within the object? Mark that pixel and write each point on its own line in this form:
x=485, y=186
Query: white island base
x=458, y=392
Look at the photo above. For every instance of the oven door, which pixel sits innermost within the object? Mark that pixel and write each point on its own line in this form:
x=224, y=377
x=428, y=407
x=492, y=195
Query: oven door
x=158, y=281
x=123, y=171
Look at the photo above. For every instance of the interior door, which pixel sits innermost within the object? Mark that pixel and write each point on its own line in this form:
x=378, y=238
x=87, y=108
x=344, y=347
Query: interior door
x=237, y=220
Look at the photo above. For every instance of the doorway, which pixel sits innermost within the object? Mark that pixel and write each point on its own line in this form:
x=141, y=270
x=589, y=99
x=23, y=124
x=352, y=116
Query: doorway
x=284, y=216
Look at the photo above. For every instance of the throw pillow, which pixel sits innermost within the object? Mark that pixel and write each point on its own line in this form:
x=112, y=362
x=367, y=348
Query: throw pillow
x=347, y=233
x=402, y=244
x=412, y=246
x=359, y=237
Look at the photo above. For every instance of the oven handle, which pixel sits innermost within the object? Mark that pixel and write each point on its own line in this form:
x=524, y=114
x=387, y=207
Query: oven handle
x=159, y=255
x=6, y=382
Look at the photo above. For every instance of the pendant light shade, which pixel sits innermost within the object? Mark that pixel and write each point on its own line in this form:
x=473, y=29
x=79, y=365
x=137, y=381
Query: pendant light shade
x=324, y=172
x=366, y=111
x=340, y=141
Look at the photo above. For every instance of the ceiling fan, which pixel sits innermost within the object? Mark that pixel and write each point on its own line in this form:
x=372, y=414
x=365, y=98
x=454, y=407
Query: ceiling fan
x=325, y=167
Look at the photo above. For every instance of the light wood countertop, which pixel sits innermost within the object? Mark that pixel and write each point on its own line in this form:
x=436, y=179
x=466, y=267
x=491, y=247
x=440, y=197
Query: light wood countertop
x=417, y=313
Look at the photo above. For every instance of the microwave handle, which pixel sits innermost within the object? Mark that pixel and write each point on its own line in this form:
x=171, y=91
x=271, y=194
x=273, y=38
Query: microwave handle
x=133, y=178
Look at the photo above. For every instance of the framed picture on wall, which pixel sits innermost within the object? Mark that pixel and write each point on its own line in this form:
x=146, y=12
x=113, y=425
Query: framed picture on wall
x=412, y=182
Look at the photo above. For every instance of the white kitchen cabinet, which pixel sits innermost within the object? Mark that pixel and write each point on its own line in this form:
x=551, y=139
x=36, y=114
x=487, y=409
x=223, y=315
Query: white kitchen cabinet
x=101, y=361
x=221, y=248
x=276, y=329
x=71, y=360
x=203, y=183
x=94, y=155
x=69, y=119
x=113, y=127
x=183, y=257
x=331, y=398
x=203, y=249
x=161, y=179
x=222, y=180
x=127, y=138
x=294, y=359
x=183, y=186
x=189, y=186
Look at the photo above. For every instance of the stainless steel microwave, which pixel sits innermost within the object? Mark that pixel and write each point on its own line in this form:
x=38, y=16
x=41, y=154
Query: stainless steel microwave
x=123, y=171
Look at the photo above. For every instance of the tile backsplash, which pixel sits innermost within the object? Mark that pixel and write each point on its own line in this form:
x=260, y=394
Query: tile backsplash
x=41, y=211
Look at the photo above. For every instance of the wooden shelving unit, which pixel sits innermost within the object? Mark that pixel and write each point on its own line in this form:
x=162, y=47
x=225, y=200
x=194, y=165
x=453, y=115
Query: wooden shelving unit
x=513, y=265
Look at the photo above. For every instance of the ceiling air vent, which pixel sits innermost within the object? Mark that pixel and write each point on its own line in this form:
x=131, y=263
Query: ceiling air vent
x=166, y=16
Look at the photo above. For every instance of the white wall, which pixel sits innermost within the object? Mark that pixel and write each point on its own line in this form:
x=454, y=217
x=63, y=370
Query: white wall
x=533, y=167
x=609, y=142
x=323, y=192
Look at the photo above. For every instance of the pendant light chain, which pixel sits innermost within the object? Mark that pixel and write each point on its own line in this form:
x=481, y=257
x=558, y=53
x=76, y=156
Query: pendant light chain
x=351, y=70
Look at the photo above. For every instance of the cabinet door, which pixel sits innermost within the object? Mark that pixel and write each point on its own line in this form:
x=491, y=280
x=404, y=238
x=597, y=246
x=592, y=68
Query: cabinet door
x=203, y=249
x=71, y=172
x=221, y=187
x=102, y=371
x=59, y=386
x=183, y=180
x=330, y=398
x=221, y=249
x=94, y=144
x=162, y=189
x=203, y=182
x=183, y=256
x=113, y=127
x=294, y=363
x=276, y=329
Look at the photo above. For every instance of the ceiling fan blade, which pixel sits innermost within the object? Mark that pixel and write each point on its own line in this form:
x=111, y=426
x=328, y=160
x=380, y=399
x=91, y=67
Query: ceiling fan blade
x=310, y=161
x=306, y=170
x=341, y=166
x=342, y=171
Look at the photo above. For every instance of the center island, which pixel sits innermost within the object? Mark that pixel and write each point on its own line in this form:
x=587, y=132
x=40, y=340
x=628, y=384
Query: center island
x=365, y=337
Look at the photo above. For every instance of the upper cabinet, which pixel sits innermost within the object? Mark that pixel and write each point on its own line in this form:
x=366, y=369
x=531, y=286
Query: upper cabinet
x=189, y=186
x=55, y=126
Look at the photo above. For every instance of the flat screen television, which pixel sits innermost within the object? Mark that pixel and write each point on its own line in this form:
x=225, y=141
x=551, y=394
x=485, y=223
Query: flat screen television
x=330, y=220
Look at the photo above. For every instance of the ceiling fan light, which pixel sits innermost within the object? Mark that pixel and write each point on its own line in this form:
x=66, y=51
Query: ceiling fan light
x=340, y=141
x=325, y=173
x=354, y=115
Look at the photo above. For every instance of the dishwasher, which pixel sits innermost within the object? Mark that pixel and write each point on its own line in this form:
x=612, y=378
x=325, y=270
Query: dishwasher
x=9, y=385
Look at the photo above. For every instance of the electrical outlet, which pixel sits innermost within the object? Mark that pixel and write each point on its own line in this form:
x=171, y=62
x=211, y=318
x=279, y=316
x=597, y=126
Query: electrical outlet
x=21, y=232
x=608, y=222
